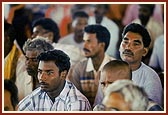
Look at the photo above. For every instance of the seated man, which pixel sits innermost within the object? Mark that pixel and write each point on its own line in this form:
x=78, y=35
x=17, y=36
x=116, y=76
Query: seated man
x=10, y=95
x=124, y=95
x=117, y=70
x=54, y=93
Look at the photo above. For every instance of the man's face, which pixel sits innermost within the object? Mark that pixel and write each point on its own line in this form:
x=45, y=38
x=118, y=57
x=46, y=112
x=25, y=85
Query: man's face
x=40, y=31
x=91, y=45
x=48, y=76
x=145, y=11
x=110, y=75
x=132, y=48
x=79, y=24
x=7, y=101
x=31, y=62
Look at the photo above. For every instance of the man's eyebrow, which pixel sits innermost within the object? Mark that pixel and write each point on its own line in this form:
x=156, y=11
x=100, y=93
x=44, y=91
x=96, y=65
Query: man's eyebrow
x=125, y=38
x=138, y=41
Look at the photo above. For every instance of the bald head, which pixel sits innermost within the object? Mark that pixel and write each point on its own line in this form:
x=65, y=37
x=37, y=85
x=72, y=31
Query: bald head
x=114, y=70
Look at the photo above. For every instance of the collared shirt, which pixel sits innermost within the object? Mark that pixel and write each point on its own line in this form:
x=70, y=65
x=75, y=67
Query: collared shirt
x=70, y=99
x=84, y=77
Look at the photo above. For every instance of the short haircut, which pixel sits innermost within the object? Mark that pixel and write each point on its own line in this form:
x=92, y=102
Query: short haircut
x=133, y=94
x=50, y=25
x=137, y=28
x=81, y=14
x=62, y=60
x=102, y=33
x=37, y=44
x=118, y=64
x=12, y=88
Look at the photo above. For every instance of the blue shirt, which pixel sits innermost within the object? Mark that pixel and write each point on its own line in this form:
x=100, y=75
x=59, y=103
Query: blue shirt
x=70, y=99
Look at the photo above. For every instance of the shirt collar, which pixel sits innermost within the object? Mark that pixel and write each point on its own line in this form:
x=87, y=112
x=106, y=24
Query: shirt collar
x=90, y=66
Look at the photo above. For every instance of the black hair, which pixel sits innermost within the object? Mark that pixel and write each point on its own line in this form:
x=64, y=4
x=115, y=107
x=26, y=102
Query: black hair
x=10, y=31
x=102, y=33
x=61, y=59
x=79, y=14
x=137, y=28
x=12, y=88
x=50, y=25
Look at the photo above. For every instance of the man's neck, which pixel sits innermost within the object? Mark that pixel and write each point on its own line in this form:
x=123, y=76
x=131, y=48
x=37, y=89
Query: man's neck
x=97, y=61
x=135, y=66
x=56, y=92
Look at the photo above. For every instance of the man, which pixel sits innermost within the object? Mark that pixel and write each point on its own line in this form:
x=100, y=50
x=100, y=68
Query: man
x=100, y=18
x=154, y=28
x=79, y=21
x=134, y=46
x=85, y=74
x=10, y=96
x=111, y=72
x=46, y=28
x=27, y=81
x=54, y=93
x=124, y=95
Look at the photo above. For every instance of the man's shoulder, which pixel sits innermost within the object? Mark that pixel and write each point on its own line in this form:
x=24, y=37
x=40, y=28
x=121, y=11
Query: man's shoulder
x=145, y=69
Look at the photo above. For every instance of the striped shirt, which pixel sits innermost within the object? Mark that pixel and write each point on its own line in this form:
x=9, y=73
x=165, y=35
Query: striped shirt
x=70, y=99
x=85, y=79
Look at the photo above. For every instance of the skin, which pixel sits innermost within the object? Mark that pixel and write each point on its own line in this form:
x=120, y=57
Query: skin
x=93, y=49
x=116, y=101
x=32, y=65
x=7, y=101
x=113, y=74
x=78, y=25
x=40, y=31
x=51, y=81
x=31, y=62
x=133, y=44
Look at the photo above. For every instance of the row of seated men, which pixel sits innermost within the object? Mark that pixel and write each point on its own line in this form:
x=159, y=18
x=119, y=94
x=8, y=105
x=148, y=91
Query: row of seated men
x=55, y=84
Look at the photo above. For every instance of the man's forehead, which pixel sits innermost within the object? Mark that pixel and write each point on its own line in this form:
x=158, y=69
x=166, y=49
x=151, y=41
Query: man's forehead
x=133, y=35
x=89, y=36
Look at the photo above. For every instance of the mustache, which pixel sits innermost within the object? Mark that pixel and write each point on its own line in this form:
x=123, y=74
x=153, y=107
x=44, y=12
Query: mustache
x=86, y=50
x=129, y=52
x=43, y=83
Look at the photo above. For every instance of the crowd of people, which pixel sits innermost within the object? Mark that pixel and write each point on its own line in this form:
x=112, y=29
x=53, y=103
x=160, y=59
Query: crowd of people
x=84, y=57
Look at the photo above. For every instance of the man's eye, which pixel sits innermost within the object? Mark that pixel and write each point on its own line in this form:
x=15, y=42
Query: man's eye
x=49, y=72
x=125, y=42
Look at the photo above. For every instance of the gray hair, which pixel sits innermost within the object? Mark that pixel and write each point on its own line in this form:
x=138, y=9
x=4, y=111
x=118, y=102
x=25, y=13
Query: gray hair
x=133, y=94
x=39, y=44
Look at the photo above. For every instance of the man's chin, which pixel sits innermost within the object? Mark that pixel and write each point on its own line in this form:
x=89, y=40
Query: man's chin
x=127, y=59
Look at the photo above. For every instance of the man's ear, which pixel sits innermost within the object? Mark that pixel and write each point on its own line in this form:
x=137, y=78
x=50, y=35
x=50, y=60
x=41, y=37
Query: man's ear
x=145, y=51
x=63, y=74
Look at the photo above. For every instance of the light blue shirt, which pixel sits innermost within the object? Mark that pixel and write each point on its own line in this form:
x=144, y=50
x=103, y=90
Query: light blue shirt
x=157, y=57
x=148, y=79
